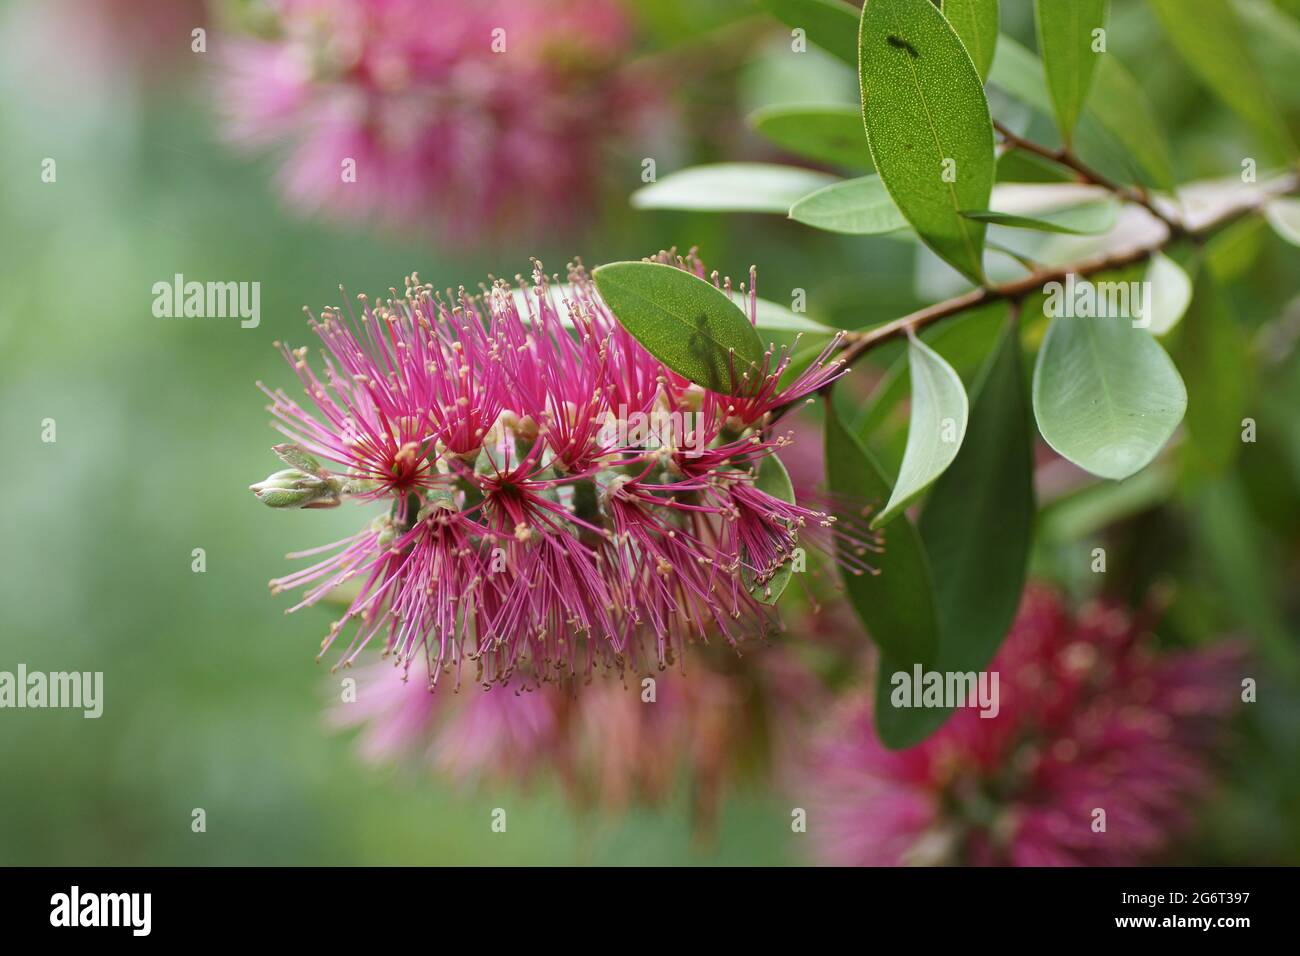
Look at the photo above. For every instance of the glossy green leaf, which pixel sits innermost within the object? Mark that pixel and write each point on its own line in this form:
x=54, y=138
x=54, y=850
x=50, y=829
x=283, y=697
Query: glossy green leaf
x=684, y=321
x=775, y=480
x=1065, y=40
x=1284, y=216
x=976, y=23
x=1084, y=220
x=831, y=24
x=938, y=425
x=1106, y=396
x=896, y=604
x=1208, y=34
x=977, y=523
x=856, y=206
x=1119, y=106
x=1170, y=294
x=828, y=134
x=928, y=124
x=731, y=187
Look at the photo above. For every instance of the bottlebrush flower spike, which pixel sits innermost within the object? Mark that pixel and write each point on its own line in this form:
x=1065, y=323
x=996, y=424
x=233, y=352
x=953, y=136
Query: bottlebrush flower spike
x=469, y=117
x=1090, y=718
x=558, y=500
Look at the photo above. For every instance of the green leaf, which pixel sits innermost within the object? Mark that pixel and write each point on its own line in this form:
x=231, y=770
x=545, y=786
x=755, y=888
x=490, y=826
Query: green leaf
x=684, y=321
x=1018, y=73
x=976, y=23
x=934, y=436
x=1120, y=107
x=1284, y=216
x=1208, y=34
x=978, y=520
x=773, y=317
x=964, y=341
x=1087, y=219
x=1117, y=105
x=1065, y=41
x=828, y=134
x=775, y=480
x=731, y=187
x=1213, y=355
x=856, y=206
x=1106, y=396
x=769, y=316
x=831, y=24
x=1229, y=538
x=1171, y=293
x=928, y=122
x=895, y=605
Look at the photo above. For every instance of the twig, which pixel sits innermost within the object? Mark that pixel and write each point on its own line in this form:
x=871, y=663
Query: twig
x=859, y=343
x=1064, y=157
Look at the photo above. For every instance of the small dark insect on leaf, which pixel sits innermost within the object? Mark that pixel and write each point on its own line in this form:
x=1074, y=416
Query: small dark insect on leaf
x=899, y=43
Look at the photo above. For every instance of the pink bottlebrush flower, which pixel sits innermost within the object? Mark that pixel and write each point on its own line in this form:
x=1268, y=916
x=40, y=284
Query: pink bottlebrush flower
x=611, y=744
x=1090, y=718
x=533, y=528
x=468, y=116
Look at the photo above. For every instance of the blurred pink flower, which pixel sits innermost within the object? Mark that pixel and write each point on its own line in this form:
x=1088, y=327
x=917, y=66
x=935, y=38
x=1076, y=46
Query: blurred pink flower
x=466, y=117
x=1091, y=718
x=610, y=743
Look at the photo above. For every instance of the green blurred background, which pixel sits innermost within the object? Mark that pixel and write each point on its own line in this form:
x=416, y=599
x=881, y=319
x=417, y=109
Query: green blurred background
x=211, y=696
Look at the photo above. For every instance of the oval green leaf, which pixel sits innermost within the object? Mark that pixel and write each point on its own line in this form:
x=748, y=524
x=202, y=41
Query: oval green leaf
x=831, y=24
x=896, y=604
x=828, y=134
x=976, y=23
x=684, y=321
x=1208, y=34
x=935, y=433
x=1065, y=40
x=771, y=316
x=977, y=523
x=859, y=207
x=977, y=530
x=1120, y=107
x=1170, y=294
x=928, y=125
x=1088, y=219
x=1106, y=396
x=731, y=187
x=1284, y=216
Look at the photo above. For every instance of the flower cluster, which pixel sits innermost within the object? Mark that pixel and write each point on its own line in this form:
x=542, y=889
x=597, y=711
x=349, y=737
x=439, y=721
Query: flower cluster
x=467, y=116
x=611, y=745
x=1091, y=718
x=537, y=526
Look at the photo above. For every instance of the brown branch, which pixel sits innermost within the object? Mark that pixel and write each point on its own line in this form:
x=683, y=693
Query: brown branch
x=1065, y=157
x=859, y=343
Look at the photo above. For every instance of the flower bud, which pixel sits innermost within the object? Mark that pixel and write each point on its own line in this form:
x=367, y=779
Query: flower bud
x=292, y=488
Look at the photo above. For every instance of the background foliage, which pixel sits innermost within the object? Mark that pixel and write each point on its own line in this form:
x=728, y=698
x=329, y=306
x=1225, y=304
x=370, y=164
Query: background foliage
x=212, y=700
